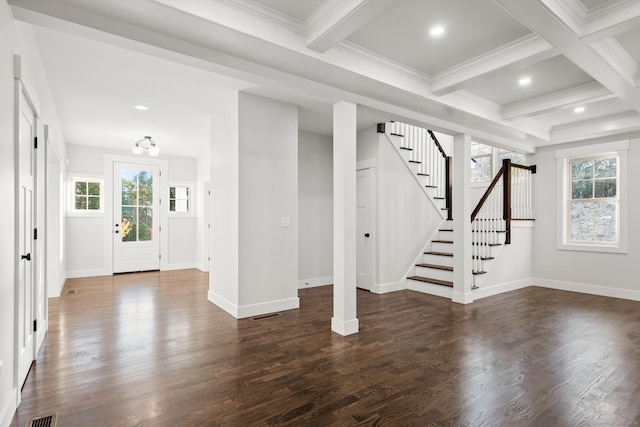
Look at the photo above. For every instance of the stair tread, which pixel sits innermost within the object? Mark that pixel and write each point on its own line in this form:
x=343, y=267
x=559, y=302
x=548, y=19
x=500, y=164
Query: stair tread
x=433, y=281
x=442, y=241
x=444, y=229
x=422, y=174
x=431, y=186
x=435, y=266
x=439, y=198
x=475, y=273
x=406, y=148
x=415, y=161
x=487, y=244
x=488, y=231
x=438, y=253
x=397, y=134
x=487, y=258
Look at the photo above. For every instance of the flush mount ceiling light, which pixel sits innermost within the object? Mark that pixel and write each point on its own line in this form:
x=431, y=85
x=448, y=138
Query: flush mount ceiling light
x=141, y=107
x=437, y=31
x=146, y=144
x=524, y=81
x=578, y=110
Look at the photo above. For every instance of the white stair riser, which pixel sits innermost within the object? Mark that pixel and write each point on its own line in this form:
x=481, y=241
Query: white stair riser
x=415, y=167
x=438, y=259
x=406, y=154
x=445, y=235
x=434, y=273
x=429, y=288
x=442, y=247
x=490, y=238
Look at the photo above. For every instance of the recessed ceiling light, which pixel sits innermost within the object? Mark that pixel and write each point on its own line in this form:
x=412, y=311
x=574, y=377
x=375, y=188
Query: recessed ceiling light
x=141, y=107
x=578, y=109
x=437, y=31
x=524, y=81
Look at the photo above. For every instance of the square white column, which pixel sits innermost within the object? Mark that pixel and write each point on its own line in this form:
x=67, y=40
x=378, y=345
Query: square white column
x=344, y=321
x=462, y=262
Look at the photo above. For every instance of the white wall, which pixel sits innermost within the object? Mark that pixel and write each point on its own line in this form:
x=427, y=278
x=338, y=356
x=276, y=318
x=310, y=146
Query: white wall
x=595, y=272
x=268, y=189
x=315, y=209
x=254, y=177
x=17, y=39
x=85, y=235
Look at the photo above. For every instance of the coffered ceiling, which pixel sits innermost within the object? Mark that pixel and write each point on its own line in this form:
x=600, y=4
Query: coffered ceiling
x=579, y=60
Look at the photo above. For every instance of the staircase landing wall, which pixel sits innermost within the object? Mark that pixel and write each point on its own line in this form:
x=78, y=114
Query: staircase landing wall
x=406, y=218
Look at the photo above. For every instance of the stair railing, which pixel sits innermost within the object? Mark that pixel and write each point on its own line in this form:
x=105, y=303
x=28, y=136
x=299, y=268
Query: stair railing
x=508, y=197
x=430, y=157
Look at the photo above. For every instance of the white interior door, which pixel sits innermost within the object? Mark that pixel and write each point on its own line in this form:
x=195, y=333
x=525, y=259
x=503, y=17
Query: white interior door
x=136, y=232
x=364, y=228
x=26, y=305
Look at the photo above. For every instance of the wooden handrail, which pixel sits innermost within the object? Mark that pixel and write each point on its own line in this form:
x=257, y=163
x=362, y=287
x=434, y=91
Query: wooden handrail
x=487, y=193
x=448, y=187
x=433, y=136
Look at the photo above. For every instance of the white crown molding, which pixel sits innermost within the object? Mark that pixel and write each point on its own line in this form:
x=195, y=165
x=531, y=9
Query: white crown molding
x=379, y=60
x=610, y=18
x=335, y=20
x=585, y=94
x=571, y=13
x=525, y=48
x=618, y=58
x=266, y=14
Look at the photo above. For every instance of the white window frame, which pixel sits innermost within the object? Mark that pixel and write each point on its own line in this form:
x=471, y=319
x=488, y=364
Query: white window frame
x=71, y=196
x=617, y=149
x=190, y=185
x=495, y=166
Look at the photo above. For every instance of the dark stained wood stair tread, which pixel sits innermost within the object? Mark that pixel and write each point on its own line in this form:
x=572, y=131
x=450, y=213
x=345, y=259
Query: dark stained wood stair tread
x=432, y=281
x=438, y=253
x=435, y=266
x=442, y=241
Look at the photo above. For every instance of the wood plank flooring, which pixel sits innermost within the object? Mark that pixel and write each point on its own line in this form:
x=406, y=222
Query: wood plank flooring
x=148, y=349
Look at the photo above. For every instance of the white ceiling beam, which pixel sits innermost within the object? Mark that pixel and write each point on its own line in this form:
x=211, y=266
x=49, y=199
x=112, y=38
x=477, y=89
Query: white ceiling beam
x=550, y=26
x=520, y=53
x=582, y=95
x=623, y=123
x=336, y=20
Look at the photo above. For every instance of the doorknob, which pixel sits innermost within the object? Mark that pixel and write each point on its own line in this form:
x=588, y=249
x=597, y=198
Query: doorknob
x=366, y=234
x=27, y=257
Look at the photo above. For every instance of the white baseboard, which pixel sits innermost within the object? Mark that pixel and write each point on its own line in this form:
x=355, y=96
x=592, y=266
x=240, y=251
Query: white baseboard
x=223, y=303
x=385, y=288
x=268, y=307
x=180, y=266
x=343, y=327
x=202, y=267
x=243, y=311
x=87, y=273
x=311, y=283
x=603, y=291
x=9, y=409
x=501, y=288
x=430, y=288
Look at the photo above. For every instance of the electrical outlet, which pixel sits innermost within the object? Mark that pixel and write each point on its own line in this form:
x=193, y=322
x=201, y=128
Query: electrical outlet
x=306, y=283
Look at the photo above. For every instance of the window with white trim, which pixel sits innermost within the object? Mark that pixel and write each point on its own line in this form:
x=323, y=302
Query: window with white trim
x=593, y=215
x=487, y=160
x=180, y=196
x=86, y=195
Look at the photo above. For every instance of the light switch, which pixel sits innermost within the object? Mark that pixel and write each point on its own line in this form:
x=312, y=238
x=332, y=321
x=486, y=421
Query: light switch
x=284, y=222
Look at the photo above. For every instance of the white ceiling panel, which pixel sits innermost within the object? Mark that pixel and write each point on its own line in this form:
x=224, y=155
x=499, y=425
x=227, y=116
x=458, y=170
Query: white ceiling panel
x=631, y=42
x=472, y=28
x=553, y=75
x=591, y=111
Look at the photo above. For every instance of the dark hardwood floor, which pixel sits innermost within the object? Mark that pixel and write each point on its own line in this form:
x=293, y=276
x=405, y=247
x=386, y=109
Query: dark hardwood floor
x=148, y=349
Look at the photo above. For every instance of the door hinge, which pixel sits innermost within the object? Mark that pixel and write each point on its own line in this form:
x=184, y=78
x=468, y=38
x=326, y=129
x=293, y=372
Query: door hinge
x=160, y=229
x=159, y=256
x=35, y=234
x=35, y=142
x=35, y=325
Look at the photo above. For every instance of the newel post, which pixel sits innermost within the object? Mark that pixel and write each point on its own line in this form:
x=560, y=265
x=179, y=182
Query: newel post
x=506, y=203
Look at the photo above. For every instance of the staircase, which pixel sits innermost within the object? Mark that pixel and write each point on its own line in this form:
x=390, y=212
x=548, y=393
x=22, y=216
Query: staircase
x=490, y=221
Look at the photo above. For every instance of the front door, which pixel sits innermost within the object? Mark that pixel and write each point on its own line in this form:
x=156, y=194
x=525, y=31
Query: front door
x=26, y=315
x=136, y=232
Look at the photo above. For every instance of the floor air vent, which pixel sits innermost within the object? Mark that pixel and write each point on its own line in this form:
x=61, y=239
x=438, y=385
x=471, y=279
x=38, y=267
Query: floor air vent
x=265, y=316
x=48, y=421
x=70, y=291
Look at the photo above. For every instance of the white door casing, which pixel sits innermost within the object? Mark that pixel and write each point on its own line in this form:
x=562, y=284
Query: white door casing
x=136, y=212
x=364, y=228
x=27, y=127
